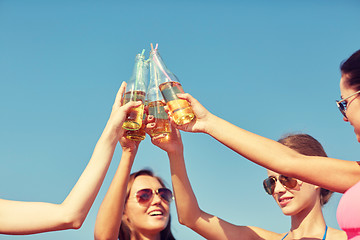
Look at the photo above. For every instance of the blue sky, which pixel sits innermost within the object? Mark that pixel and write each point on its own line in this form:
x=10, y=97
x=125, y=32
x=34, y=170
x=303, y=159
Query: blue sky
x=271, y=67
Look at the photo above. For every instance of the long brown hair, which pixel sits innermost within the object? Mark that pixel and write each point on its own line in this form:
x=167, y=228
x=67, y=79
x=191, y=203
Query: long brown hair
x=351, y=69
x=307, y=145
x=125, y=232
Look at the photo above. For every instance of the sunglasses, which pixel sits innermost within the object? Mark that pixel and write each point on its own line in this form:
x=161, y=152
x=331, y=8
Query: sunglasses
x=145, y=195
x=342, y=104
x=270, y=182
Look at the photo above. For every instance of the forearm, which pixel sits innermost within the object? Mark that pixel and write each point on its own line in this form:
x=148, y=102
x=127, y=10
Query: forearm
x=79, y=201
x=333, y=174
x=19, y=218
x=186, y=204
x=111, y=210
x=256, y=148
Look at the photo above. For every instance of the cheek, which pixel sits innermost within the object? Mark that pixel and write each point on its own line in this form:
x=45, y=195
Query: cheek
x=307, y=194
x=133, y=212
x=353, y=112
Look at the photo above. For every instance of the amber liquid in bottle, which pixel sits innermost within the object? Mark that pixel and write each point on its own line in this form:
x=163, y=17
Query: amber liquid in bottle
x=137, y=135
x=180, y=109
x=156, y=109
x=134, y=118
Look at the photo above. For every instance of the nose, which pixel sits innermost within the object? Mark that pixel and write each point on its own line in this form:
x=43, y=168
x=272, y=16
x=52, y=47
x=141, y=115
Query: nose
x=279, y=187
x=156, y=199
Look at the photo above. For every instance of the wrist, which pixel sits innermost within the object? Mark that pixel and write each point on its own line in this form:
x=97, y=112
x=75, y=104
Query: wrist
x=128, y=154
x=129, y=151
x=175, y=153
x=209, y=124
x=110, y=135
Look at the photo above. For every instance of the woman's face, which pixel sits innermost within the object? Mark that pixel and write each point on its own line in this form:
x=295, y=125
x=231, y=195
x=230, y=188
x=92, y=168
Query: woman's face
x=353, y=106
x=301, y=198
x=149, y=218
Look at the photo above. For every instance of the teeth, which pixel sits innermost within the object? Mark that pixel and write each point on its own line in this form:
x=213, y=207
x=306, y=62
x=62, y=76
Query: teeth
x=284, y=199
x=155, y=213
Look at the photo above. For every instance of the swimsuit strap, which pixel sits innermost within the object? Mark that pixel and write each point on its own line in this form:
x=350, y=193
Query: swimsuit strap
x=285, y=236
x=326, y=228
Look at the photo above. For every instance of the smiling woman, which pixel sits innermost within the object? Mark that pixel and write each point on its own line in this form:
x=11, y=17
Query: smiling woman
x=147, y=210
x=300, y=200
x=136, y=206
x=334, y=174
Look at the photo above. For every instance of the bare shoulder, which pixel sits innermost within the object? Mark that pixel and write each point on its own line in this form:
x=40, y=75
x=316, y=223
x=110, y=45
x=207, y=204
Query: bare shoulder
x=266, y=234
x=335, y=234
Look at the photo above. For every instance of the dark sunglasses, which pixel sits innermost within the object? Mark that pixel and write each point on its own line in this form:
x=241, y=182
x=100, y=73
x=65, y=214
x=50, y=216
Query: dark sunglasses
x=145, y=195
x=270, y=182
x=342, y=104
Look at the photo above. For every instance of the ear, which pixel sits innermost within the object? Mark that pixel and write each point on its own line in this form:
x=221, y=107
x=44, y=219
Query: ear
x=125, y=218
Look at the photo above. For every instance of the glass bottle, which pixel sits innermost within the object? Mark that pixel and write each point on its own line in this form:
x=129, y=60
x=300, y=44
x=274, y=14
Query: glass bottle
x=169, y=85
x=156, y=105
x=135, y=91
x=140, y=134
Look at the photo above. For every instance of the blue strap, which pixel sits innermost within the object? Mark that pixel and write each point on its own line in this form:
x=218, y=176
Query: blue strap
x=284, y=236
x=326, y=228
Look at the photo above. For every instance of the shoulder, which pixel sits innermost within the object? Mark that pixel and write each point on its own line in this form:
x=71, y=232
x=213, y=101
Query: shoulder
x=266, y=234
x=335, y=234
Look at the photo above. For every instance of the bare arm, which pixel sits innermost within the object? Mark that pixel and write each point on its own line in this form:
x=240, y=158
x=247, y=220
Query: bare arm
x=34, y=217
x=189, y=212
x=111, y=210
x=333, y=174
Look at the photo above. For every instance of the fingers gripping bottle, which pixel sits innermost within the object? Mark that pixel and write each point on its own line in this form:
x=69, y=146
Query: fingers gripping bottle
x=137, y=135
x=156, y=104
x=135, y=91
x=169, y=85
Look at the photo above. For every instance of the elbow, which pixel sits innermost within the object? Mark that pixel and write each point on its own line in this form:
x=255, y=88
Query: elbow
x=101, y=235
x=188, y=221
x=74, y=222
x=182, y=221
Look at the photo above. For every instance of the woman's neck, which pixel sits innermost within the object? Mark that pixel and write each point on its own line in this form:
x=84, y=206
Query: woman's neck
x=309, y=222
x=141, y=236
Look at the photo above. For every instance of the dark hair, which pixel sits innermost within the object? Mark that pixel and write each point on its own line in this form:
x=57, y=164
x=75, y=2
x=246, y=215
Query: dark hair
x=307, y=145
x=350, y=68
x=125, y=232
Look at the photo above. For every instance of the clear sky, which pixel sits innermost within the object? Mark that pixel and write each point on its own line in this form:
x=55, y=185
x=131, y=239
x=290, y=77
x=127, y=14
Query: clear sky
x=271, y=67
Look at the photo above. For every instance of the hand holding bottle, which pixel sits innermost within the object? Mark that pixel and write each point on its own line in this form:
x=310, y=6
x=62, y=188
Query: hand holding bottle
x=118, y=113
x=202, y=116
x=170, y=143
x=129, y=145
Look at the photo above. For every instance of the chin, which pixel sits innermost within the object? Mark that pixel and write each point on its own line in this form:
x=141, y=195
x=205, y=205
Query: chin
x=287, y=213
x=290, y=211
x=358, y=137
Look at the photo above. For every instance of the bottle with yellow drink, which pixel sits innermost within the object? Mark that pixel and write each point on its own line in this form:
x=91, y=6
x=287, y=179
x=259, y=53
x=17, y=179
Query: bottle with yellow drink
x=169, y=85
x=136, y=91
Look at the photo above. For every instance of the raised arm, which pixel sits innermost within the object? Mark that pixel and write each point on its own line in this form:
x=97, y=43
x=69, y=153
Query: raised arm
x=111, y=210
x=189, y=212
x=333, y=174
x=34, y=217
